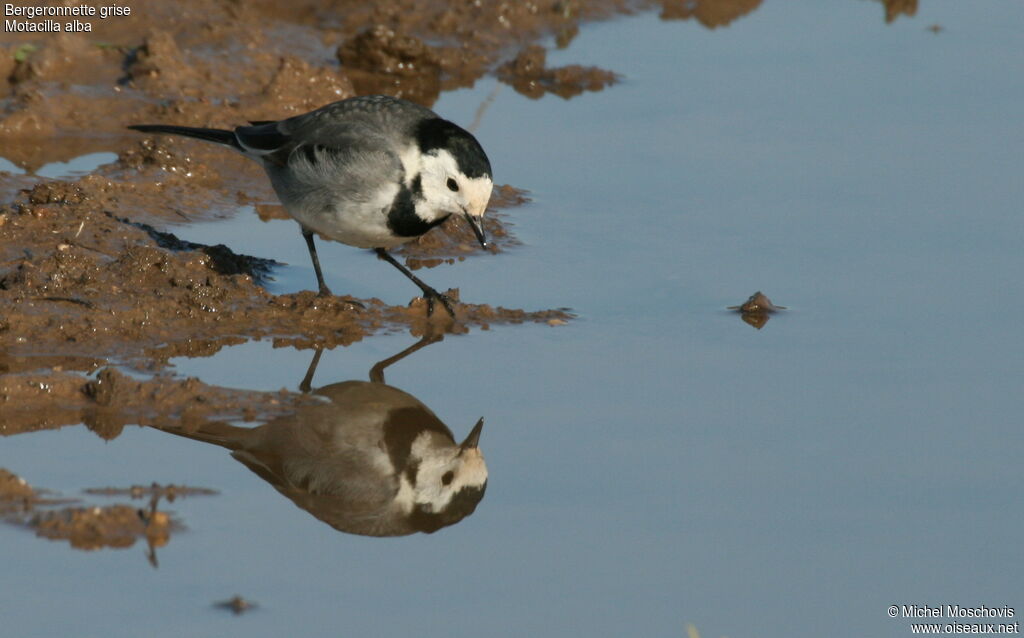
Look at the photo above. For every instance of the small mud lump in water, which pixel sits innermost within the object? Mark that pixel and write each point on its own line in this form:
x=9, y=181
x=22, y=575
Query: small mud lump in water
x=758, y=303
x=756, y=309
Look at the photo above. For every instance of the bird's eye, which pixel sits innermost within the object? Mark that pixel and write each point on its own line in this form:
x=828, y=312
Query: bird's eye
x=453, y=185
x=447, y=478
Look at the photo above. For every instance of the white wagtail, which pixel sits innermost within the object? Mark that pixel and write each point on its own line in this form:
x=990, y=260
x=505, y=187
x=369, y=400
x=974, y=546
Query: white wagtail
x=371, y=171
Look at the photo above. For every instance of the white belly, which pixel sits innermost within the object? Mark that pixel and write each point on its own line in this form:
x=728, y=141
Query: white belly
x=361, y=224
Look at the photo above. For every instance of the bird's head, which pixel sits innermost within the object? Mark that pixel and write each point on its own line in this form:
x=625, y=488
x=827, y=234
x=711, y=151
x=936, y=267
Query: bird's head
x=455, y=173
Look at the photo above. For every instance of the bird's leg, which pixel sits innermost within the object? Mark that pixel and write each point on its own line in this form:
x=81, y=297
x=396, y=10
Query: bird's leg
x=308, y=236
x=324, y=290
x=428, y=293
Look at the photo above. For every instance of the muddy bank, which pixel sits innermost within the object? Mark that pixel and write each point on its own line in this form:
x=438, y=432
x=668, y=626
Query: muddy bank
x=214, y=63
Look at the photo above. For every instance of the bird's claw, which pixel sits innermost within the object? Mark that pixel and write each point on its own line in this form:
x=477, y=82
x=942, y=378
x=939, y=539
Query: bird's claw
x=431, y=295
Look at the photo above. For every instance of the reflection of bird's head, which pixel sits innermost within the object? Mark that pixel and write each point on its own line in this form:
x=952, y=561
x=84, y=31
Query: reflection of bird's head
x=441, y=482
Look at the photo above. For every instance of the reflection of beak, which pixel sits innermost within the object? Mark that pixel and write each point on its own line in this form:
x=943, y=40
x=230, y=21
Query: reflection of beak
x=473, y=439
x=477, y=224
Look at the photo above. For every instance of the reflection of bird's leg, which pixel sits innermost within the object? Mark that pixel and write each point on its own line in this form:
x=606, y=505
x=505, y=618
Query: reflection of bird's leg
x=147, y=518
x=377, y=371
x=428, y=293
x=307, y=380
x=483, y=107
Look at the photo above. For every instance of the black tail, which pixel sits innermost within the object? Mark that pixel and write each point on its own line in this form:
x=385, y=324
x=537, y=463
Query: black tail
x=215, y=135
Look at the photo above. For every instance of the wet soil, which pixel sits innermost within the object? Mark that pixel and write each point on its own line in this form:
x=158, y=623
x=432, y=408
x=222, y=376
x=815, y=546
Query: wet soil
x=219, y=63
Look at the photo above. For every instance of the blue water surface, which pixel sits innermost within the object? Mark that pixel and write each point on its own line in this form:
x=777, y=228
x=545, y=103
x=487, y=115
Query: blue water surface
x=656, y=462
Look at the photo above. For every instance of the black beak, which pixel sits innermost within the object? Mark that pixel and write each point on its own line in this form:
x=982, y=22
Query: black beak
x=473, y=439
x=477, y=224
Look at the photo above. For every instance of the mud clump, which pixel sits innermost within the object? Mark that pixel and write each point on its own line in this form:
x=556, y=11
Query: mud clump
x=709, y=14
x=756, y=310
x=379, y=60
x=16, y=495
x=162, y=65
x=236, y=605
x=895, y=8
x=757, y=303
x=529, y=75
x=65, y=55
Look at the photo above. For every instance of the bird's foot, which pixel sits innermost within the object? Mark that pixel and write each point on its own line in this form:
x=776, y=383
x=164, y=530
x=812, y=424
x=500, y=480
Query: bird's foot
x=431, y=295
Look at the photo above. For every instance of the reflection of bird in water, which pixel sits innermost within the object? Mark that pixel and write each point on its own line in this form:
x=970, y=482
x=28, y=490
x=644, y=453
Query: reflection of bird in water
x=371, y=459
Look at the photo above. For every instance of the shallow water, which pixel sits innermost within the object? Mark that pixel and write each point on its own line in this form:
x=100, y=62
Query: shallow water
x=76, y=167
x=656, y=462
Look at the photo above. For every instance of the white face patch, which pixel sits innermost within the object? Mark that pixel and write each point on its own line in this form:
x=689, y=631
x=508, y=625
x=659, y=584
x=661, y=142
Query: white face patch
x=465, y=468
x=440, y=173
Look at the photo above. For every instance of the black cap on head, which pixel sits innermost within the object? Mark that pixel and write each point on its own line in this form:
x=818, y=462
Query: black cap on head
x=435, y=133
